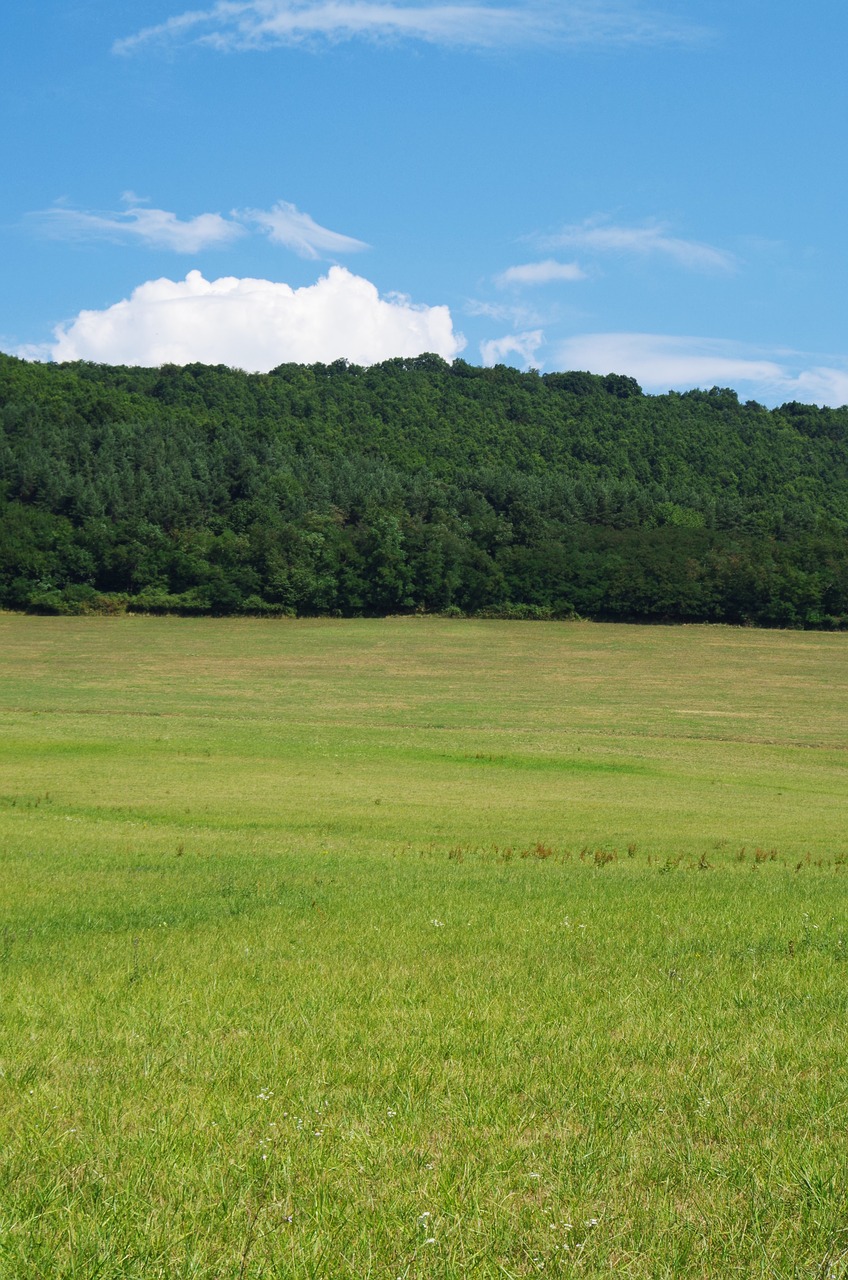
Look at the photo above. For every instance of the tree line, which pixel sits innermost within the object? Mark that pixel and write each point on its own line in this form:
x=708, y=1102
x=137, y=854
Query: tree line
x=416, y=485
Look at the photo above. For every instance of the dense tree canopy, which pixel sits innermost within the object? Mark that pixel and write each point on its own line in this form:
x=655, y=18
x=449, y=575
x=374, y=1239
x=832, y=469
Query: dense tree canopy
x=416, y=485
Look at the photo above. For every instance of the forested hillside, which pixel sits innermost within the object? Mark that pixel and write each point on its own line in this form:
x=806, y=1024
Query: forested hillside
x=416, y=485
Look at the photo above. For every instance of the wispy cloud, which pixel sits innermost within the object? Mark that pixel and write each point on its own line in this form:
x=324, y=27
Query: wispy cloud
x=517, y=315
x=652, y=239
x=261, y=24
x=661, y=362
x=155, y=228
x=284, y=224
x=523, y=345
x=547, y=272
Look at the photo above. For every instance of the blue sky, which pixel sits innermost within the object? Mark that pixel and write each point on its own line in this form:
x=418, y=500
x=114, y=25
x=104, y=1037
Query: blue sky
x=653, y=189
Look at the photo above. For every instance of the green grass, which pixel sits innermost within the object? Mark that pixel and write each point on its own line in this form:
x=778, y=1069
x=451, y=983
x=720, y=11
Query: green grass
x=421, y=949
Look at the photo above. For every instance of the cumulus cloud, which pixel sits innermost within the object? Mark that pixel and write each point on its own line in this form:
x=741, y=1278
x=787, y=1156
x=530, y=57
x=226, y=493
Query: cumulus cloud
x=256, y=324
x=661, y=363
x=649, y=240
x=260, y=24
x=286, y=225
x=155, y=228
x=548, y=272
x=522, y=345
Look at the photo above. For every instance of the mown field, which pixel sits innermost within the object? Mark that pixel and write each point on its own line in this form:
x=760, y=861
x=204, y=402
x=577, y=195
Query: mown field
x=420, y=949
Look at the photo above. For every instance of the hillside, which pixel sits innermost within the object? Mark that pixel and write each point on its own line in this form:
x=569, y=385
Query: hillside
x=415, y=484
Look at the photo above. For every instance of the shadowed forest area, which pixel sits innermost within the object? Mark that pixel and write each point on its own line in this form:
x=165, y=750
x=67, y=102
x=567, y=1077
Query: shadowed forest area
x=415, y=485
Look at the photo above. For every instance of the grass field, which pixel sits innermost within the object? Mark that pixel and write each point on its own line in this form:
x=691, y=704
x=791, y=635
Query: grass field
x=421, y=948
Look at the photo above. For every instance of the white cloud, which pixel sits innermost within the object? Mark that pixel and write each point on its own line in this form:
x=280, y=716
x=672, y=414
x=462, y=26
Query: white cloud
x=821, y=385
x=661, y=363
x=262, y=24
x=548, y=272
x=256, y=324
x=285, y=224
x=156, y=228
x=518, y=315
x=523, y=345
x=652, y=239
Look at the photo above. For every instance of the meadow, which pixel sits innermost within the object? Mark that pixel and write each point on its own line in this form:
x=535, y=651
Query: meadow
x=421, y=948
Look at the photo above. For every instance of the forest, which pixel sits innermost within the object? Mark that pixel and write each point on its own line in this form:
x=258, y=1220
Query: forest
x=416, y=486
